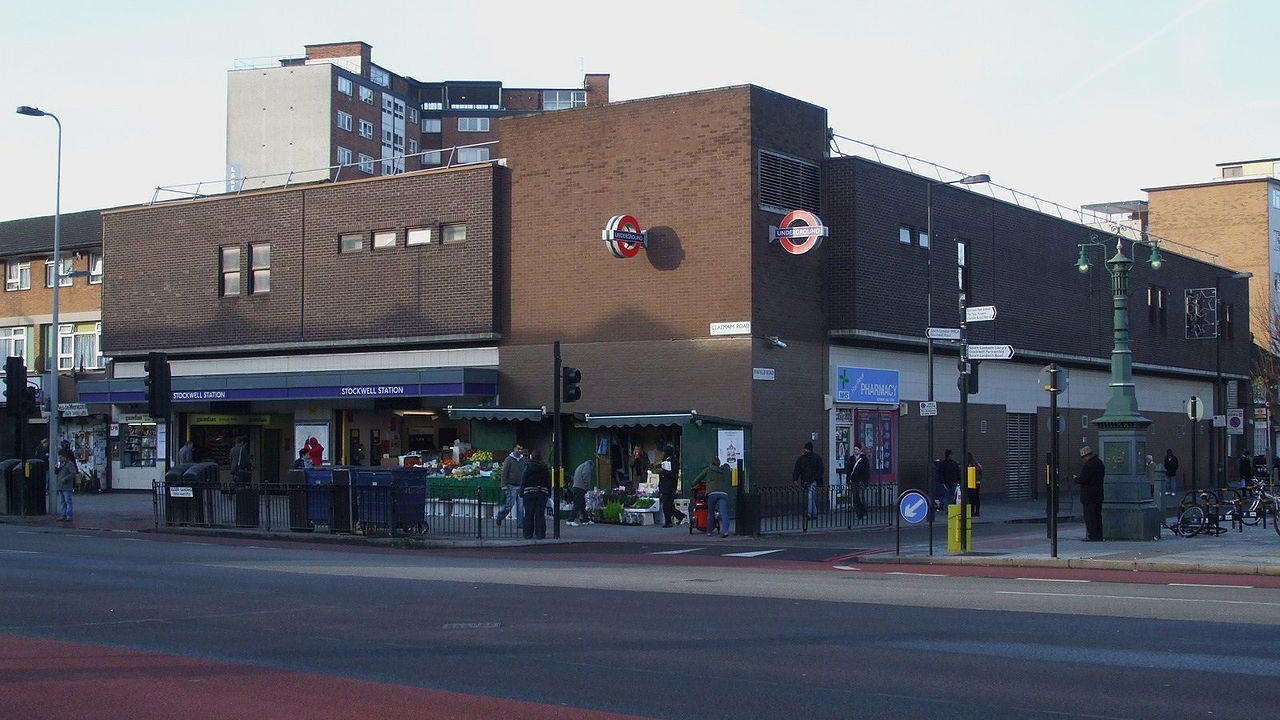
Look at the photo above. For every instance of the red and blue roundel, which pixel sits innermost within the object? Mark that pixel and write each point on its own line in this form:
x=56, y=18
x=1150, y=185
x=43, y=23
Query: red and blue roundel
x=800, y=232
x=623, y=236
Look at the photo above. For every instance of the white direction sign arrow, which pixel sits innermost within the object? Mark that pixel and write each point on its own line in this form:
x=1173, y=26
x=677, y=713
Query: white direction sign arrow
x=990, y=352
x=935, y=333
x=980, y=313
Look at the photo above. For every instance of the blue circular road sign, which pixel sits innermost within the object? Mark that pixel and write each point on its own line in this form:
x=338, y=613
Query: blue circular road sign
x=913, y=506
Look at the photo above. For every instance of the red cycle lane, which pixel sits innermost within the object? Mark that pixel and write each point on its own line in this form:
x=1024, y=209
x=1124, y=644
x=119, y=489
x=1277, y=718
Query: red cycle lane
x=52, y=679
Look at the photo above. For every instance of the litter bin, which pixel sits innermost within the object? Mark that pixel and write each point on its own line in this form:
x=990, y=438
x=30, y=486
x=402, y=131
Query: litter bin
x=749, y=514
x=26, y=487
x=340, y=496
x=8, y=499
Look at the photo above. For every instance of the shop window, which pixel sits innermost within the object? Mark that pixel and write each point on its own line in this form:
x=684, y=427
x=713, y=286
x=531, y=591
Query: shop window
x=17, y=276
x=351, y=243
x=418, y=236
x=453, y=234
x=137, y=445
x=64, y=275
x=95, y=268
x=79, y=346
x=13, y=342
x=384, y=239
x=229, y=267
x=260, y=262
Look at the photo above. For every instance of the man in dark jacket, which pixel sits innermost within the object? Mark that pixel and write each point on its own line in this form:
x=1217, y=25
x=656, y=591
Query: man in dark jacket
x=1090, y=480
x=535, y=488
x=512, y=473
x=668, y=476
x=808, y=473
x=1246, y=469
x=858, y=471
x=1170, y=472
x=949, y=475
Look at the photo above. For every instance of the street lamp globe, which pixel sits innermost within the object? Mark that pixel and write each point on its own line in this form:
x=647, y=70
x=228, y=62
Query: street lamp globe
x=1156, y=259
x=1082, y=262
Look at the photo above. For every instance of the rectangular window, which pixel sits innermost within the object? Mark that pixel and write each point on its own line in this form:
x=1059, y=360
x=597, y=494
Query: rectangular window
x=418, y=236
x=344, y=85
x=344, y=120
x=923, y=238
x=366, y=95
x=470, y=155
x=473, y=124
x=344, y=156
x=260, y=266
x=229, y=268
x=1275, y=199
x=384, y=239
x=366, y=164
x=1151, y=304
x=68, y=266
x=904, y=234
x=80, y=347
x=1232, y=172
x=413, y=116
x=17, y=276
x=413, y=146
x=351, y=243
x=95, y=268
x=430, y=125
x=1229, y=321
x=563, y=99
x=431, y=158
x=1162, y=298
x=379, y=76
x=13, y=342
x=387, y=135
x=388, y=103
x=366, y=129
x=454, y=234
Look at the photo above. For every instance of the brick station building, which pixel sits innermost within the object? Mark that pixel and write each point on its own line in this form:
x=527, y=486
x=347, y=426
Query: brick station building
x=361, y=311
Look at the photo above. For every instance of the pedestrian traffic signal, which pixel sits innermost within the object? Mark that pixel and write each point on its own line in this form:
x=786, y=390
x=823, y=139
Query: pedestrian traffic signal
x=569, y=390
x=29, y=403
x=159, y=393
x=968, y=381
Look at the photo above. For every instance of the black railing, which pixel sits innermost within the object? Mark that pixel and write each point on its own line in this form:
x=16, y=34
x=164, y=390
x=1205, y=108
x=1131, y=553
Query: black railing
x=786, y=508
x=374, y=510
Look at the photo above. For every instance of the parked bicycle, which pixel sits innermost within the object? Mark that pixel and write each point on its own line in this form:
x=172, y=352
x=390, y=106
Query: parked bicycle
x=1203, y=511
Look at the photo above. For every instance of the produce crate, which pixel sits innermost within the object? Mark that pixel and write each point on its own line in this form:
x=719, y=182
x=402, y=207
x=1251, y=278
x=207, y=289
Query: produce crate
x=439, y=486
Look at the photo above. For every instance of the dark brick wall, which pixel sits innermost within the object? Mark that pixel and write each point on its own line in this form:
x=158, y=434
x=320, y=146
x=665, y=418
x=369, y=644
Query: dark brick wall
x=1022, y=261
x=162, y=279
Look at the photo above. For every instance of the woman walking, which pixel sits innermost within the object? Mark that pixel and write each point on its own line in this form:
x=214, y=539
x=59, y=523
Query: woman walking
x=66, y=483
x=535, y=488
x=668, y=480
x=639, y=468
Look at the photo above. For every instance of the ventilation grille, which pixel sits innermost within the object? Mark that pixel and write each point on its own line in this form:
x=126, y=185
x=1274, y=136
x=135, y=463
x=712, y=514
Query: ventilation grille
x=1019, y=468
x=788, y=183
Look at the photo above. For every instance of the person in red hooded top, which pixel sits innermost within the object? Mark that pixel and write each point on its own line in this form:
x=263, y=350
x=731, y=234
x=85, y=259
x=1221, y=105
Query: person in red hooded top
x=316, y=450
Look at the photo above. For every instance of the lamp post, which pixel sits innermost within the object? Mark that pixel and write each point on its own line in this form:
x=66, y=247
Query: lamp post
x=1127, y=511
x=52, y=390
x=966, y=180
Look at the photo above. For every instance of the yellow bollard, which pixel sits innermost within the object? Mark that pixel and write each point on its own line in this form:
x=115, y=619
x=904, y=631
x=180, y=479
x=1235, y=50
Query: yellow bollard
x=733, y=476
x=953, y=528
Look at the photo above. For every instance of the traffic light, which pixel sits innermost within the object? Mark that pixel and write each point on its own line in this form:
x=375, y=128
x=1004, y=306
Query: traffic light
x=972, y=377
x=159, y=392
x=15, y=384
x=29, y=406
x=569, y=390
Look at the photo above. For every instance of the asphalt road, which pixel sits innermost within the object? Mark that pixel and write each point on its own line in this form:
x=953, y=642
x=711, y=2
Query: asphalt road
x=126, y=625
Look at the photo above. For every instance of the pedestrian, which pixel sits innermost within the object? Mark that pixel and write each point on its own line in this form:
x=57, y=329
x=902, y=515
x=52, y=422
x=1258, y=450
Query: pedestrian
x=639, y=468
x=241, y=462
x=717, y=484
x=949, y=476
x=66, y=476
x=187, y=453
x=43, y=452
x=1091, y=480
x=535, y=488
x=1246, y=469
x=668, y=484
x=858, y=474
x=584, y=479
x=1170, y=472
x=315, y=450
x=512, y=473
x=975, y=492
x=300, y=462
x=807, y=472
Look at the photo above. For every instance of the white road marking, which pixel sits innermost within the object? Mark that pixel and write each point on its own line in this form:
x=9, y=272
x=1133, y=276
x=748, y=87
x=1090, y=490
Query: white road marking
x=27, y=532
x=676, y=552
x=192, y=542
x=1053, y=580
x=845, y=567
x=261, y=547
x=83, y=536
x=896, y=572
x=1246, y=587
x=1137, y=597
x=135, y=539
x=21, y=552
x=756, y=553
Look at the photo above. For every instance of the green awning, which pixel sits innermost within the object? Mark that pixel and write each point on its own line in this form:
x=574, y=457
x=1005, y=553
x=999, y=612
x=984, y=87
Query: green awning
x=497, y=413
x=657, y=419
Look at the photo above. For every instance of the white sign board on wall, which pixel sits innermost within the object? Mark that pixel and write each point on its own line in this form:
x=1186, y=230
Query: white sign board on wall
x=302, y=431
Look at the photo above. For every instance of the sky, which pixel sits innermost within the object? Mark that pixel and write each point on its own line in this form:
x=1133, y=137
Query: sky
x=1074, y=101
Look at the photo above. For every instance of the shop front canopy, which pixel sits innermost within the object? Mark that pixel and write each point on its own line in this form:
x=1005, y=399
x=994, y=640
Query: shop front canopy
x=497, y=413
x=656, y=419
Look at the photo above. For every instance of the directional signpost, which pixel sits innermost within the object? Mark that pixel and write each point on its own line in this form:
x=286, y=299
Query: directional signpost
x=913, y=509
x=990, y=352
x=981, y=313
x=940, y=333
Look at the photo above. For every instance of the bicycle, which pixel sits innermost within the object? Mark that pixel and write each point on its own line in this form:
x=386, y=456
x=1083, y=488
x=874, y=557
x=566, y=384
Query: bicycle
x=1205, y=512
x=1261, y=502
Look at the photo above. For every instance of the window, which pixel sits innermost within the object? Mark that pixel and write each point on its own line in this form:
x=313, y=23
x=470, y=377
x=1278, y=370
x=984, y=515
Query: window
x=384, y=239
x=1229, y=321
x=470, y=155
x=260, y=268
x=229, y=268
x=344, y=120
x=387, y=135
x=1157, y=300
x=473, y=124
x=351, y=243
x=68, y=266
x=1233, y=171
x=413, y=146
x=430, y=125
x=418, y=236
x=431, y=158
x=787, y=183
x=379, y=76
x=79, y=346
x=344, y=85
x=923, y=238
x=366, y=95
x=17, y=276
x=366, y=129
x=904, y=234
x=388, y=103
x=344, y=156
x=563, y=99
x=413, y=116
x=13, y=342
x=1275, y=199
x=454, y=234
x=432, y=106
x=95, y=268
x=366, y=164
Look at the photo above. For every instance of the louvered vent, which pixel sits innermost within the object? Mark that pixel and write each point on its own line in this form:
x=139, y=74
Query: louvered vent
x=788, y=183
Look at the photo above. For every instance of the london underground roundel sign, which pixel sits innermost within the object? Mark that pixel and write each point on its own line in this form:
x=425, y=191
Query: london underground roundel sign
x=800, y=232
x=623, y=236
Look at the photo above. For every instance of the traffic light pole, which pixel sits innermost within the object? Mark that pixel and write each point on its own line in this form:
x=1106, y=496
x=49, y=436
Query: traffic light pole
x=1053, y=461
x=556, y=474
x=963, y=386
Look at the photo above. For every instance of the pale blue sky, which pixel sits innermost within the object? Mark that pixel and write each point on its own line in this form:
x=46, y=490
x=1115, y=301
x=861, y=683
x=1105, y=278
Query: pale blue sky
x=1075, y=101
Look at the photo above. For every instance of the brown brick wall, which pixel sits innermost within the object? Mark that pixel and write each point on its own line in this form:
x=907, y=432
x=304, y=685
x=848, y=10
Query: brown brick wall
x=597, y=88
x=79, y=297
x=162, y=265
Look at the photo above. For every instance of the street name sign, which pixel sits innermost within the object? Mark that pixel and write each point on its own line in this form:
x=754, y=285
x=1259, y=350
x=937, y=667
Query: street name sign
x=940, y=333
x=928, y=408
x=990, y=352
x=981, y=313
